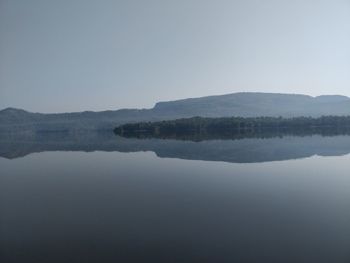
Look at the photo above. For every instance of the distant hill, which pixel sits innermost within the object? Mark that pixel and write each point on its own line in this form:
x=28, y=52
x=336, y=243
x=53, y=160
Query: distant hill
x=258, y=104
x=236, y=104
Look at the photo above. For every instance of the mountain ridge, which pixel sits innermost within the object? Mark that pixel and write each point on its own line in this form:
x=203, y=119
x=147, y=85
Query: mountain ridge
x=333, y=97
x=241, y=104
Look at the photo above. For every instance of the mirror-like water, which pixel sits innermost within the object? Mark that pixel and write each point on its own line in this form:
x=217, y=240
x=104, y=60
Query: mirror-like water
x=249, y=200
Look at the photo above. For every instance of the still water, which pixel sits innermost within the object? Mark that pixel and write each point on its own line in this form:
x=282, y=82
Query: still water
x=107, y=199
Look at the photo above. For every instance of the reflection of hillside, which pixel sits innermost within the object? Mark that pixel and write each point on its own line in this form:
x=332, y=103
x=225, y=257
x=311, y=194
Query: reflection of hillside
x=236, y=150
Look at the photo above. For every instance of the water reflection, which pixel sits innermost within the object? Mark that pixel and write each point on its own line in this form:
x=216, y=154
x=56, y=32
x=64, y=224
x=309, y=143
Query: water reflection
x=104, y=207
x=242, y=148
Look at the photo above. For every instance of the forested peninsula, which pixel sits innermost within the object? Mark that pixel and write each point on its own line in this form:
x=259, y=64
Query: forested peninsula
x=211, y=128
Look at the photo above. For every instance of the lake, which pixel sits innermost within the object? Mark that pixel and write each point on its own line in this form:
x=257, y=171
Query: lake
x=101, y=198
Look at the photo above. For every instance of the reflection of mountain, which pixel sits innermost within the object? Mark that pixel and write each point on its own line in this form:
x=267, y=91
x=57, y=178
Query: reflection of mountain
x=248, y=150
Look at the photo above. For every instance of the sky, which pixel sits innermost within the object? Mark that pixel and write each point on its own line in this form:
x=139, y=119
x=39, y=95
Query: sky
x=75, y=55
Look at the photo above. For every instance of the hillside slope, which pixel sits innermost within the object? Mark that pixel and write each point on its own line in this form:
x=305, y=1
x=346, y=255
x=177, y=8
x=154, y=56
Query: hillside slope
x=236, y=104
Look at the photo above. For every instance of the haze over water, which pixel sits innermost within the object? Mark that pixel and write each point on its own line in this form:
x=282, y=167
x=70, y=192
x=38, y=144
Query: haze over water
x=247, y=158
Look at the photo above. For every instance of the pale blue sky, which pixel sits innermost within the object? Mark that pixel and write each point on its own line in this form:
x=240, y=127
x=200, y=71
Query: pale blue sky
x=73, y=55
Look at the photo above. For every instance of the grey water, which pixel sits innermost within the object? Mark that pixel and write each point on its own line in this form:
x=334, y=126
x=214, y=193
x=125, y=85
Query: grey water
x=102, y=198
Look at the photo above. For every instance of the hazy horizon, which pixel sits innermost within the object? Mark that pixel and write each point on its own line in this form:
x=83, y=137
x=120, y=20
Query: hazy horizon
x=68, y=56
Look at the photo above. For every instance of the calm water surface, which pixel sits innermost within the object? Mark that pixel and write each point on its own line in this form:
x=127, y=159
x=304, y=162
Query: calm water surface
x=66, y=206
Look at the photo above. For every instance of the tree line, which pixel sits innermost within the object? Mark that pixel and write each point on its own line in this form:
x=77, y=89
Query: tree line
x=236, y=126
